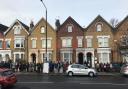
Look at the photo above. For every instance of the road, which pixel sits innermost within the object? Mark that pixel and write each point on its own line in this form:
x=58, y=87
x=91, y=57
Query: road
x=37, y=81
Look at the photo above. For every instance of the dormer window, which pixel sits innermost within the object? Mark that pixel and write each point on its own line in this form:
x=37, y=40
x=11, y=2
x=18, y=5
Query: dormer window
x=69, y=28
x=17, y=29
x=99, y=28
x=42, y=29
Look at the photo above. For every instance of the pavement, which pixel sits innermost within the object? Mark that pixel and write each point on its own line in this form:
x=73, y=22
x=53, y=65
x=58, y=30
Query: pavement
x=35, y=73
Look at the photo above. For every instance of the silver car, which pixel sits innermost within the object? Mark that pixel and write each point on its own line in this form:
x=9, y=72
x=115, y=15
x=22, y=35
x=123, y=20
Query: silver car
x=124, y=69
x=78, y=69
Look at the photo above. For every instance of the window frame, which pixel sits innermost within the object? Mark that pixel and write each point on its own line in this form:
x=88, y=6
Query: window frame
x=20, y=43
x=70, y=28
x=42, y=29
x=99, y=27
x=17, y=29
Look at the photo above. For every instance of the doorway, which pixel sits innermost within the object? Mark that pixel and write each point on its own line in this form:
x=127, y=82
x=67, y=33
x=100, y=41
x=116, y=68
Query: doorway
x=89, y=59
x=80, y=58
x=33, y=56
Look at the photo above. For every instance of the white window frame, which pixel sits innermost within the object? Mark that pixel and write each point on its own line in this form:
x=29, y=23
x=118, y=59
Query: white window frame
x=8, y=40
x=20, y=55
x=104, y=57
x=80, y=41
x=98, y=27
x=42, y=29
x=1, y=43
x=49, y=42
x=33, y=43
x=20, y=39
x=70, y=27
x=68, y=58
x=17, y=29
x=66, y=42
x=102, y=42
x=89, y=44
x=43, y=43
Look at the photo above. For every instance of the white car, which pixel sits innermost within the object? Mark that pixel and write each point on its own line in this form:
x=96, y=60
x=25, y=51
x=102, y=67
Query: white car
x=78, y=69
x=124, y=69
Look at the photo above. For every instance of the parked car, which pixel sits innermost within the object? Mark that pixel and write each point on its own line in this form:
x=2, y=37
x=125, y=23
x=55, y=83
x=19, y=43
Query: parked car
x=124, y=69
x=78, y=69
x=7, y=77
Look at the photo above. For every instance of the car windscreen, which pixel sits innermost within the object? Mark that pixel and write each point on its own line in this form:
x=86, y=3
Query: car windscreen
x=6, y=73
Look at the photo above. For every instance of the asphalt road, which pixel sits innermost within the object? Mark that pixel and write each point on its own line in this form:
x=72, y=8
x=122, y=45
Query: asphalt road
x=37, y=81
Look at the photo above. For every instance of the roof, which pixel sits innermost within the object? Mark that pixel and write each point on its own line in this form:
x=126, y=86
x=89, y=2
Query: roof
x=3, y=28
x=99, y=17
x=70, y=19
x=22, y=24
x=42, y=19
x=126, y=18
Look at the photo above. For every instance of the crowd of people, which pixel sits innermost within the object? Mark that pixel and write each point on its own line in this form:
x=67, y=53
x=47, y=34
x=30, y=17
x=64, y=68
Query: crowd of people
x=55, y=67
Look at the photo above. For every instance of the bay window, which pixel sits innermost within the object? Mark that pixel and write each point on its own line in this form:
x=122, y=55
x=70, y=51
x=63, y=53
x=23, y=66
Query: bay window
x=19, y=43
x=66, y=42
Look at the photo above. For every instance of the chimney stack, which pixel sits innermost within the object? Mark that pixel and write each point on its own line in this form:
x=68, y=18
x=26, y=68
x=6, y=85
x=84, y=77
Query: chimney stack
x=57, y=23
x=31, y=25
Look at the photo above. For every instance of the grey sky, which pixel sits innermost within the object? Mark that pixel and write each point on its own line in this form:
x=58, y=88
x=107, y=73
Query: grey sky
x=83, y=11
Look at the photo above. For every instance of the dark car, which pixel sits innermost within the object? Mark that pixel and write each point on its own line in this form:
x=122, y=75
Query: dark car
x=7, y=78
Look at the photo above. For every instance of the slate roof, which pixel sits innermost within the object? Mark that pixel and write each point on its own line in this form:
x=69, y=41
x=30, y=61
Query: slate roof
x=3, y=28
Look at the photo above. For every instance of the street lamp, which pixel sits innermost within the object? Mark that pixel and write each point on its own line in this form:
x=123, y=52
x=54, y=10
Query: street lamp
x=46, y=65
x=46, y=30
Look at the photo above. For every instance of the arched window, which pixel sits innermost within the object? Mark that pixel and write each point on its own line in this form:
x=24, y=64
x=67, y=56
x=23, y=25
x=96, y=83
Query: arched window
x=17, y=29
x=99, y=27
x=70, y=28
x=42, y=29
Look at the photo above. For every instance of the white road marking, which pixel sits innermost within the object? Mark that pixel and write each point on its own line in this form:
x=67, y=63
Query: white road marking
x=116, y=84
x=120, y=84
x=35, y=82
x=96, y=83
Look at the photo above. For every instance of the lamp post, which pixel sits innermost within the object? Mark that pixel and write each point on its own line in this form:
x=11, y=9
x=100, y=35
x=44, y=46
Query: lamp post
x=46, y=65
x=45, y=30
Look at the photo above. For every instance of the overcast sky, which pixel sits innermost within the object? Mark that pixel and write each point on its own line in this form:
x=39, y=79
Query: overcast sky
x=83, y=11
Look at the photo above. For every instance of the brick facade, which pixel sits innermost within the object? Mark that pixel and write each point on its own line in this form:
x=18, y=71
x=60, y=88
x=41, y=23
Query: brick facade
x=98, y=43
x=62, y=34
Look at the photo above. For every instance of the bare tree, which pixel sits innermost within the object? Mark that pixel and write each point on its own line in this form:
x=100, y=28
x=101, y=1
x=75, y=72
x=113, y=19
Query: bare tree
x=114, y=22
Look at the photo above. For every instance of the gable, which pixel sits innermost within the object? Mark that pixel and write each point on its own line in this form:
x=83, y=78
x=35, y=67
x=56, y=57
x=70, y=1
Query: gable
x=17, y=22
x=105, y=26
x=70, y=22
x=122, y=28
x=41, y=23
x=123, y=25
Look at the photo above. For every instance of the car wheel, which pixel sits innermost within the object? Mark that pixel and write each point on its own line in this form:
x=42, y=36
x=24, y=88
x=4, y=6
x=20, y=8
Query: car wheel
x=91, y=74
x=1, y=86
x=70, y=73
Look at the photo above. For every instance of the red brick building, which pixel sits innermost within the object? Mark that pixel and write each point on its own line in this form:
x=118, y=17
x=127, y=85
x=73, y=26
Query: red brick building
x=4, y=56
x=70, y=37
